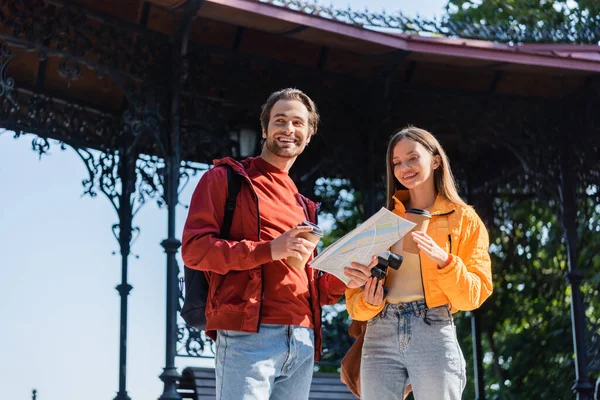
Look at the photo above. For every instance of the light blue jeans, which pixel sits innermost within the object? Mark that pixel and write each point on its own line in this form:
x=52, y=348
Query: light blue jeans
x=276, y=363
x=408, y=343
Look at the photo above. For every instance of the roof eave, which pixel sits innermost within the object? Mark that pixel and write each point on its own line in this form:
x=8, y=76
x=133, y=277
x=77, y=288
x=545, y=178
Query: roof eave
x=413, y=43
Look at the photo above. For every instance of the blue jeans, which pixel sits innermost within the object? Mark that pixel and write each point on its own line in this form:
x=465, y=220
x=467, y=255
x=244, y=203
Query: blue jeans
x=276, y=363
x=408, y=343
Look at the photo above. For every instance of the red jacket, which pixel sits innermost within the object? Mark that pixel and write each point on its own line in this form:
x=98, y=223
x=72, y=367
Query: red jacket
x=234, y=267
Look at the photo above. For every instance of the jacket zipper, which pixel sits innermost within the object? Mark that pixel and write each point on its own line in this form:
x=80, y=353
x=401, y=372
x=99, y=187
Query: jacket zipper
x=421, y=266
x=262, y=279
x=450, y=241
x=422, y=280
x=312, y=277
x=262, y=270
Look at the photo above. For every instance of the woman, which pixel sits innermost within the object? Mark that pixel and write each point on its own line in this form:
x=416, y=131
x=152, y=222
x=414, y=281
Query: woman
x=410, y=336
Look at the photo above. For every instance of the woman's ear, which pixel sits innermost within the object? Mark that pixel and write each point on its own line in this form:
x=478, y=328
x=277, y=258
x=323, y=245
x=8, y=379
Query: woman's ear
x=437, y=161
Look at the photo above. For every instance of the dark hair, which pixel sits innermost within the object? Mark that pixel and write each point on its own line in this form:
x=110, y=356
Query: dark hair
x=443, y=179
x=290, y=94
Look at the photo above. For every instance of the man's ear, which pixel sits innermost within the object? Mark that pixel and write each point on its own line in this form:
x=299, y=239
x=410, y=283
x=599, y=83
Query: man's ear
x=308, y=139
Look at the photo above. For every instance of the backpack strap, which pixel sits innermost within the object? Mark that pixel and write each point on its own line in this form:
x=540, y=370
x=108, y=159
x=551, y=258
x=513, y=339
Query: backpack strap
x=234, y=183
x=193, y=310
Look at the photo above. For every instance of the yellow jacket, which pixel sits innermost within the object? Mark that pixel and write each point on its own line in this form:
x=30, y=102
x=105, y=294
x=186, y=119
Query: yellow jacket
x=466, y=282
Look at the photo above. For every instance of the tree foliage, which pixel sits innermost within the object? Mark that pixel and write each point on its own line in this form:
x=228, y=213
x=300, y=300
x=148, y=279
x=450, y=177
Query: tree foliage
x=341, y=211
x=526, y=327
x=546, y=21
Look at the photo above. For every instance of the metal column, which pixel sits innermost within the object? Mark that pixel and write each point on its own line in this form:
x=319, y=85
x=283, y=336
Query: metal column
x=170, y=376
x=583, y=386
x=127, y=174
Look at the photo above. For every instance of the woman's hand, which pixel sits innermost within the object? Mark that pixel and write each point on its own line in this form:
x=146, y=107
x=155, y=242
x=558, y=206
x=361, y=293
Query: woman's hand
x=430, y=248
x=359, y=273
x=373, y=293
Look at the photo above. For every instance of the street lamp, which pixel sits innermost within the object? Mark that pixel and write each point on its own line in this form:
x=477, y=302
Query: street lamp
x=244, y=141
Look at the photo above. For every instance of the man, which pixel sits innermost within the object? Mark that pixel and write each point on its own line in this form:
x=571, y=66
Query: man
x=264, y=314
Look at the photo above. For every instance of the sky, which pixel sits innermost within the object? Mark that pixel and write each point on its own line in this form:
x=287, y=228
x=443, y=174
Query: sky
x=58, y=304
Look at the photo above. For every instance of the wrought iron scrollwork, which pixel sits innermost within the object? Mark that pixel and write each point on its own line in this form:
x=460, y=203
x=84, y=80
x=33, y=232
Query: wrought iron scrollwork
x=51, y=118
x=103, y=176
x=40, y=145
x=150, y=171
x=194, y=343
x=69, y=70
x=186, y=172
x=144, y=121
x=7, y=84
x=191, y=342
x=71, y=31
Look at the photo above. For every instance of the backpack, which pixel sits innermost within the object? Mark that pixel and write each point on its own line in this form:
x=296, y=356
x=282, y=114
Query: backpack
x=196, y=284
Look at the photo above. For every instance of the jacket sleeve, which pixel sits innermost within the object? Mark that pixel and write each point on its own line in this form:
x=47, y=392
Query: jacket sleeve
x=331, y=289
x=467, y=280
x=202, y=249
x=358, y=308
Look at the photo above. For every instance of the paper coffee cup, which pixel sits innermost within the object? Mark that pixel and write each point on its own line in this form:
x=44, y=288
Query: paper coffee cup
x=313, y=236
x=421, y=219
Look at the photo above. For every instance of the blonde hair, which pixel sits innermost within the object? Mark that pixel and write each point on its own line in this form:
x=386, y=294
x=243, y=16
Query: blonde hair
x=444, y=182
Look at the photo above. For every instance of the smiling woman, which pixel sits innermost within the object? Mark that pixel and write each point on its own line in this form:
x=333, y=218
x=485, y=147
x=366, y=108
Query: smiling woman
x=412, y=328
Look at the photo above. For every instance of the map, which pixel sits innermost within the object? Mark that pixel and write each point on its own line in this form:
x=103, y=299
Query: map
x=372, y=237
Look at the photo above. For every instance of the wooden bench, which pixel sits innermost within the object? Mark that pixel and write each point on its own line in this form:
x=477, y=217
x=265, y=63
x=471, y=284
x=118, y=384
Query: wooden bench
x=199, y=384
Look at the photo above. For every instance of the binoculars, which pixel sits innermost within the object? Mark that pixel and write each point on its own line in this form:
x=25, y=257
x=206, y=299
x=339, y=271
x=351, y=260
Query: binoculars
x=393, y=260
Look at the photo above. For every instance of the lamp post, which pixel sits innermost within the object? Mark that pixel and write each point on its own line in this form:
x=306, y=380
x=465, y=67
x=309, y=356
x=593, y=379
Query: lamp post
x=244, y=142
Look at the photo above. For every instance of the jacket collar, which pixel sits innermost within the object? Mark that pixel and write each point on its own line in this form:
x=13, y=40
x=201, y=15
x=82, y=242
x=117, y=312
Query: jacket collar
x=238, y=166
x=310, y=207
x=441, y=206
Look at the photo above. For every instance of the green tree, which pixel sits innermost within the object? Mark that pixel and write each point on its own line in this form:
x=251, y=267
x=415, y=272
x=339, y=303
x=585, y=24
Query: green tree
x=544, y=21
x=341, y=211
x=526, y=321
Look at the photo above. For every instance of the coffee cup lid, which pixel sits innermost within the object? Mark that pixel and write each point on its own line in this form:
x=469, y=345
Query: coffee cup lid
x=418, y=211
x=316, y=230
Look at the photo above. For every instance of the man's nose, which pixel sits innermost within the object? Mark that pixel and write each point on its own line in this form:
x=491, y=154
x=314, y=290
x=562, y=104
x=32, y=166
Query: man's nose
x=289, y=127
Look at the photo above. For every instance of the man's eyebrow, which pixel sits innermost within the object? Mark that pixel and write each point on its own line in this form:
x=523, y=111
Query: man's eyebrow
x=288, y=116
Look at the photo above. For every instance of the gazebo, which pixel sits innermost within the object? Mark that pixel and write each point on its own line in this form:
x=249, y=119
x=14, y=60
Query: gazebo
x=154, y=85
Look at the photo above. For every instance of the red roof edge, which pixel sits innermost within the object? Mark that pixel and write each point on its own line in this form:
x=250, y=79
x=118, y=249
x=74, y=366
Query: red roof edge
x=474, y=49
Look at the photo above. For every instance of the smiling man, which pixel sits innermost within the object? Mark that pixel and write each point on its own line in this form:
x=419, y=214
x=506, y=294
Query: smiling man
x=264, y=314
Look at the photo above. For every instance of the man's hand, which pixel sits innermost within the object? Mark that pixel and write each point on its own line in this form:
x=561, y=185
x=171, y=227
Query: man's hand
x=290, y=245
x=358, y=273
